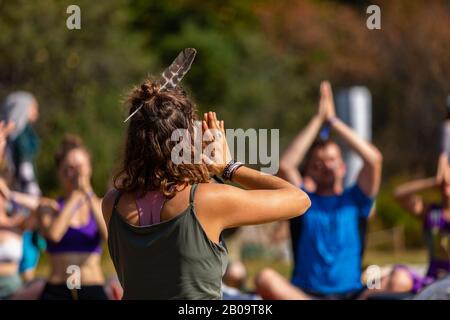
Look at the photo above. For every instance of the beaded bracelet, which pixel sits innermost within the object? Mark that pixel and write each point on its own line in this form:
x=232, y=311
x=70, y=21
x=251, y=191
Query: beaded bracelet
x=230, y=168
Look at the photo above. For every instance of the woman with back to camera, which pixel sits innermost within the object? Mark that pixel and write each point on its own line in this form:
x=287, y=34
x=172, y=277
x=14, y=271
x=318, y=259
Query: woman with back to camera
x=164, y=219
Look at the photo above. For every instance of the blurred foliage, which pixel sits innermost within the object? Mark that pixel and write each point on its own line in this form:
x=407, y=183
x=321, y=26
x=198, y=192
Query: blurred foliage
x=259, y=65
x=389, y=214
x=405, y=65
x=78, y=76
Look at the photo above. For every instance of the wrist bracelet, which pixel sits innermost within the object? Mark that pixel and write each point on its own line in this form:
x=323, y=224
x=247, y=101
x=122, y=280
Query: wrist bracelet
x=230, y=168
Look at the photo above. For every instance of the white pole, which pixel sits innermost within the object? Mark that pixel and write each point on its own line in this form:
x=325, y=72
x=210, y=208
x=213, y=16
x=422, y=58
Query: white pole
x=354, y=107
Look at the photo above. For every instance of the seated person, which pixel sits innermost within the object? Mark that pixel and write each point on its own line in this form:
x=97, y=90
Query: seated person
x=327, y=242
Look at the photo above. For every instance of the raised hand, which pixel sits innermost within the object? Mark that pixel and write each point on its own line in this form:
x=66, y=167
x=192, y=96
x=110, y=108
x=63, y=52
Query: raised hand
x=326, y=101
x=322, y=110
x=216, y=153
x=83, y=183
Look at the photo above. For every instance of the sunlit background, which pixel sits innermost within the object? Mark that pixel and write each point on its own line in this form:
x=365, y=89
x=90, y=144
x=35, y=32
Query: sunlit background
x=259, y=65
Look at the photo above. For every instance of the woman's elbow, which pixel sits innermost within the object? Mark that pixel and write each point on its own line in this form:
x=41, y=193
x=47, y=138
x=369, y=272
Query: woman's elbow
x=53, y=236
x=104, y=234
x=303, y=203
x=379, y=156
x=377, y=159
x=306, y=203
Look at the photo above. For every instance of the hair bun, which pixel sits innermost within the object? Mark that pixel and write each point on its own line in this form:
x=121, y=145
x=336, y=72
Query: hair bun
x=72, y=141
x=149, y=89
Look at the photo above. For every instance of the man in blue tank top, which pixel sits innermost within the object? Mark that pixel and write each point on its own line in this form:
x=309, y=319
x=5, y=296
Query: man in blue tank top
x=327, y=241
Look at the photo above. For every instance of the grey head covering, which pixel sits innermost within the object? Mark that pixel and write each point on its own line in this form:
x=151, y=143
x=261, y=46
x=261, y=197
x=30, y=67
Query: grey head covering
x=15, y=108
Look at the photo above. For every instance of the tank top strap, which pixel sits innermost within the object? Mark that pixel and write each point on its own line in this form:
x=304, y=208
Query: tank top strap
x=192, y=194
x=117, y=199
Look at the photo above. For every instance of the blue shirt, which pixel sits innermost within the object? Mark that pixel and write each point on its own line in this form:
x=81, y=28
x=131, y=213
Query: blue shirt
x=327, y=242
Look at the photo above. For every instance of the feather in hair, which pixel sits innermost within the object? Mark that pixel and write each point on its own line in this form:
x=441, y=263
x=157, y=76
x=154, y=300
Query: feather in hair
x=178, y=69
x=173, y=74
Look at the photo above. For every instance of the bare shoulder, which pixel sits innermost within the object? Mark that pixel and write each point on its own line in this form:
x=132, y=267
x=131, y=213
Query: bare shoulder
x=217, y=191
x=212, y=201
x=108, y=203
x=216, y=198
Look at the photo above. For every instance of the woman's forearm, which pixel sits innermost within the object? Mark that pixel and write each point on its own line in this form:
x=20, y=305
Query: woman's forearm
x=60, y=223
x=368, y=152
x=298, y=148
x=25, y=200
x=96, y=207
x=253, y=179
x=413, y=187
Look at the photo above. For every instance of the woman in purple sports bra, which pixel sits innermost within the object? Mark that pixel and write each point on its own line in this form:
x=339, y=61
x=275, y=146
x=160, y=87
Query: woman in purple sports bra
x=436, y=226
x=74, y=228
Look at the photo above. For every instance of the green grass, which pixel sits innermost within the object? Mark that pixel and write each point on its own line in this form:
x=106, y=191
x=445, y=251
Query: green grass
x=381, y=258
x=418, y=257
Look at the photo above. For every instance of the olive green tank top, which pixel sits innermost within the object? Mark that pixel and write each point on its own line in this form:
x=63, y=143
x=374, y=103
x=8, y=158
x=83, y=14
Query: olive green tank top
x=173, y=259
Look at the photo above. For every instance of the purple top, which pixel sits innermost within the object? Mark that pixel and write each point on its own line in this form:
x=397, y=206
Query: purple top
x=149, y=208
x=437, y=232
x=84, y=239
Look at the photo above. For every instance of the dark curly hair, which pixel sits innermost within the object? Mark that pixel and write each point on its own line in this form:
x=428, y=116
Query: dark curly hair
x=147, y=163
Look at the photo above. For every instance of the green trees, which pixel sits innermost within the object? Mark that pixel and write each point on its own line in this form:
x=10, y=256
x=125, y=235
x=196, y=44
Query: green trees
x=78, y=76
x=259, y=65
